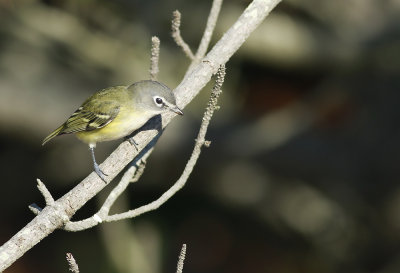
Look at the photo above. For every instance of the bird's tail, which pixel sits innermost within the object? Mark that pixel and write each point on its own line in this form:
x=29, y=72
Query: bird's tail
x=53, y=134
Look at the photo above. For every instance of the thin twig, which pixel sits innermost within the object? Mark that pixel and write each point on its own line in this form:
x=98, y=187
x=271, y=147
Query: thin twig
x=35, y=208
x=200, y=141
x=48, y=198
x=45, y=192
x=155, y=55
x=133, y=174
x=73, y=266
x=135, y=178
x=176, y=34
x=181, y=259
x=211, y=22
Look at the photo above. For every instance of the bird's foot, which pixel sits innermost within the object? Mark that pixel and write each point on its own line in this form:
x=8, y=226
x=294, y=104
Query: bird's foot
x=96, y=167
x=100, y=173
x=133, y=142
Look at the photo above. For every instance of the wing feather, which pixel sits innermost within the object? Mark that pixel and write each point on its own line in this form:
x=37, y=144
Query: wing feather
x=96, y=112
x=91, y=116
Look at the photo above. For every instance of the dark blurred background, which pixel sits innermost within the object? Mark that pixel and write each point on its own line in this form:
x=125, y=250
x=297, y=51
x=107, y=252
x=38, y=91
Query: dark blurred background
x=303, y=171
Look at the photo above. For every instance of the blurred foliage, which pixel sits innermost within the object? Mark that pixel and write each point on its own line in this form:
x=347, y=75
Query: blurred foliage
x=302, y=173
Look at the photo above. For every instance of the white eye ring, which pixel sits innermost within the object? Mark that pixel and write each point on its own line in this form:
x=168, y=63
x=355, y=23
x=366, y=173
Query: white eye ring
x=159, y=101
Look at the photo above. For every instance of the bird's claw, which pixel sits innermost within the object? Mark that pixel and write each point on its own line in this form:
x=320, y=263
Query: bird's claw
x=133, y=142
x=100, y=173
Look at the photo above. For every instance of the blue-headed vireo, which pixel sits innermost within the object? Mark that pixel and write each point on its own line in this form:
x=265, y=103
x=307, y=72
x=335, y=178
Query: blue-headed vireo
x=116, y=112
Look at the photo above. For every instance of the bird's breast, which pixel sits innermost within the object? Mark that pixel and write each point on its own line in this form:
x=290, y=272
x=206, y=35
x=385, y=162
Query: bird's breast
x=123, y=125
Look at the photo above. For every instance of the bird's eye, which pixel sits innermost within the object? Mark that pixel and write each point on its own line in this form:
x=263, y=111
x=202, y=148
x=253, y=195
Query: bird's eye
x=159, y=101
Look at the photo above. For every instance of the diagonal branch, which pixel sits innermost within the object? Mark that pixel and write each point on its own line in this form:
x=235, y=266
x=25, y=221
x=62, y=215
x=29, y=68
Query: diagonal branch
x=65, y=207
x=211, y=22
x=103, y=214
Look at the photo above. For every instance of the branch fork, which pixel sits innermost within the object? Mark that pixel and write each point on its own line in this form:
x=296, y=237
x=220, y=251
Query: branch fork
x=48, y=198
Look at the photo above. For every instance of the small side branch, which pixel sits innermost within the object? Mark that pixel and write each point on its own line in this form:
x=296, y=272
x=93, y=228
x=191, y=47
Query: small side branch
x=48, y=198
x=35, y=208
x=176, y=34
x=155, y=55
x=45, y=192
x=211, y=22
x=73, y=266
x=132, y=175
x=181, y=259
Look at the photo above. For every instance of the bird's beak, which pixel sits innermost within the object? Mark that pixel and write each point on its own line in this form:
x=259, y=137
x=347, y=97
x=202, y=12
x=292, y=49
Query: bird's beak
x=173, y=108
x=176, y=110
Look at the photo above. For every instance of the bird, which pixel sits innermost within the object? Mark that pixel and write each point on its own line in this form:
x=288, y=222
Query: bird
x=115, y=112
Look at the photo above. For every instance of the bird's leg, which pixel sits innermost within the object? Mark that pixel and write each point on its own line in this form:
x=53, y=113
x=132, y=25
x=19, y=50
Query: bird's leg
x=97, y=169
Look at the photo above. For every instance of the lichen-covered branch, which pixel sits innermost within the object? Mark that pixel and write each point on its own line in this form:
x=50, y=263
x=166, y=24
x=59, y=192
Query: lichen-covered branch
x=73, y=265
x=181, y=259
x=155, y=56
x=176, y=34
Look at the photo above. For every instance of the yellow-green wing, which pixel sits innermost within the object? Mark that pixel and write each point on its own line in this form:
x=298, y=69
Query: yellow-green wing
x=93, y=114
x=90, y=116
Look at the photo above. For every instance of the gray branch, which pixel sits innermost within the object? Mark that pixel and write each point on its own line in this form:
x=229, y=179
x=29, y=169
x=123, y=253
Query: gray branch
x=181, y=259
x=211, y=22
x=200, y=141
x=103, y=216
x=132, y=175
x=73, y=265
x=55, y=216
x=48, y=198
x=176, y=34
x=155, y=55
